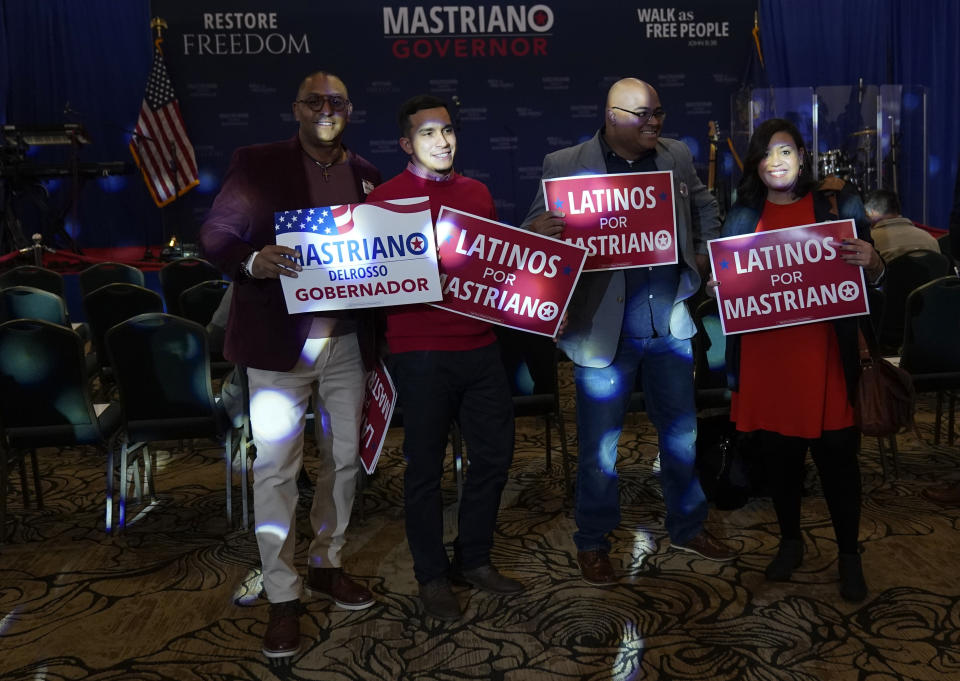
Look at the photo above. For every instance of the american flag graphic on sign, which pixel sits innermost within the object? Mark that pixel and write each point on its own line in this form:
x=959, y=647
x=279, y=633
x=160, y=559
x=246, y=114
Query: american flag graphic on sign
x=324, y=220
x=335, y=220
x=160, y=146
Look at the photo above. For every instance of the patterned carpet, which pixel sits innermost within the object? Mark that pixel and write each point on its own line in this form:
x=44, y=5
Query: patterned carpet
x=175, y=597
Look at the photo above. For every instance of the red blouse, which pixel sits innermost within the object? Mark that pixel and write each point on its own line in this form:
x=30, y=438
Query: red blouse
x=791, y=379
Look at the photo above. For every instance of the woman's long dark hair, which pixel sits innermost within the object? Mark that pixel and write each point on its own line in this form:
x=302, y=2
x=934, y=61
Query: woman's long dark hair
x=752, y=191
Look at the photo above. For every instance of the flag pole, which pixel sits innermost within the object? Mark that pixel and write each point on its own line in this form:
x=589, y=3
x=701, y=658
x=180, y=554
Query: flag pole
x=159, y=25
x=160, y=146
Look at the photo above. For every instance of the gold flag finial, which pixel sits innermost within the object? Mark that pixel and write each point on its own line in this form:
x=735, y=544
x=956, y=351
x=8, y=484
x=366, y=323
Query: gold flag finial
x=159, y=25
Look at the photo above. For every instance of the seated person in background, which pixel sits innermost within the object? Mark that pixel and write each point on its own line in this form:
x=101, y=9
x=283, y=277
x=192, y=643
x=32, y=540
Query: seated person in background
x=892, y=233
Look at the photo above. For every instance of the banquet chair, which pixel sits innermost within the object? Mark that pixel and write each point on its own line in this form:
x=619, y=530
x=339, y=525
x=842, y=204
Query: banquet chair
x=104, y=273
x=198, y=303
x=931, y=345
x=28, y=302
x=45, y=280
x=531, y=363
x=161, y=364
x=111, y=304
x=45, y=401
x=905, y=273
x=179, y=275
x=947, y=249
x=709, y=358
x=37, y=277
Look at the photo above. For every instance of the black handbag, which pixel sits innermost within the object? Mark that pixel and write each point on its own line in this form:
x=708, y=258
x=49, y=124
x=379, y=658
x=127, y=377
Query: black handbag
x=728, y=473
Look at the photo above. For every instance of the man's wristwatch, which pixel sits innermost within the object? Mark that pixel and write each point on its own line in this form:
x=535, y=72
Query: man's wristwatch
x=246, y=263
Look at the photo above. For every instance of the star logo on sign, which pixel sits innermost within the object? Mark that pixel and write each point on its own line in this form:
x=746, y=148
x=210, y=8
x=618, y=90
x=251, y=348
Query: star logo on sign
x=310, y=212
x=324, y=213
x=277, y=227
x=724, y=264
x=547, y=311
x=663, y=196
x=848, y=291
x=567, y=270
x=314, y=228
x=417, y=243
x=299, y=211
x=663, y=240
x=327, y=230
x=558, y=204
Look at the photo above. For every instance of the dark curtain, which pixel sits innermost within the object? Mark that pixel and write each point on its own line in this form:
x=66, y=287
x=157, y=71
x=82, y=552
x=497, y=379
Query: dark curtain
x=902, y=42
x=81, y=62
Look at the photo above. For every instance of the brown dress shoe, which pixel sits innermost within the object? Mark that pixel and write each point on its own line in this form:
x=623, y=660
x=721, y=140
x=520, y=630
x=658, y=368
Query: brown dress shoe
x=707, y=546
x=595, y=568
x=335, y=584
x=282, y=638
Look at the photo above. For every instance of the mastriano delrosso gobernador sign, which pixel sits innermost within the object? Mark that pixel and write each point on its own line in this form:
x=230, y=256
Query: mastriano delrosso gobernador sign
x=785, y=277
x=505, y=275
x=623, y=220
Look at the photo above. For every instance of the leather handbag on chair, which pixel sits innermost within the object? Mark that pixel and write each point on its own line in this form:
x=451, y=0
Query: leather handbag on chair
x=885, y=395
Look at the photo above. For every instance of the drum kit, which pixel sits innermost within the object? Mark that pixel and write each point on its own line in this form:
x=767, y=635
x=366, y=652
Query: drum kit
x=858, y=166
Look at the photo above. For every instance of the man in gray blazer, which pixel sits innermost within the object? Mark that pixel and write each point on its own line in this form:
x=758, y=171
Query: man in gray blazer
x=620, y=322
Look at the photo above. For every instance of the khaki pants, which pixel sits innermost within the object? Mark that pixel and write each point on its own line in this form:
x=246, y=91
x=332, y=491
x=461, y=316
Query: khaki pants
x=330, y=370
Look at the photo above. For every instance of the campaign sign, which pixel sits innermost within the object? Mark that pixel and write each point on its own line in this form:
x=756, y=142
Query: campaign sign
x=505, y=275
x=360, y=255
x=623, y=220
x=785, y=277
x=379, y=400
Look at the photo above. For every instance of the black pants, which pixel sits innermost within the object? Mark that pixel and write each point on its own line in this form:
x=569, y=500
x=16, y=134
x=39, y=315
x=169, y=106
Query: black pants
x=835, y=454
x=434, y=388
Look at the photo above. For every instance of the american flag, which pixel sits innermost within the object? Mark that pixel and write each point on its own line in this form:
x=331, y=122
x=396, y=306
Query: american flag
x=160, y=146
x=327, y=220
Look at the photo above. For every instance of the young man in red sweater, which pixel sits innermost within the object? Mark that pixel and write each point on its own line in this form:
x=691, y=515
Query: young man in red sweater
x=447, y=367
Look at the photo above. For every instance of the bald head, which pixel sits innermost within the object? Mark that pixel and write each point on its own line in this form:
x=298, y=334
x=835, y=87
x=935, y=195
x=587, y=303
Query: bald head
x=633, y=118
x=626, y=88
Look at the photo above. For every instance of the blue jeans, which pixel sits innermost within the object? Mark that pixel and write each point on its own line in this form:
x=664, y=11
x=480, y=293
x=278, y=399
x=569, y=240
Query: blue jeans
x=666, y=369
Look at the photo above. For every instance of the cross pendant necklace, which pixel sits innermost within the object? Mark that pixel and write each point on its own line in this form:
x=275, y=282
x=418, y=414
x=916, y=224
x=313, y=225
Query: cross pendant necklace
x=324, y=170
x=325, y=167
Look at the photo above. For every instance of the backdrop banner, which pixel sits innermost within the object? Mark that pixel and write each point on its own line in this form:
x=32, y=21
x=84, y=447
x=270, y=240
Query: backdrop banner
x=515, y=75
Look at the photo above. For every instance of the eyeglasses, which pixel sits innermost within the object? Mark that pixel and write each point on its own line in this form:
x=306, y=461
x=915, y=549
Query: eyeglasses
x=644, y=116
x=317, y=102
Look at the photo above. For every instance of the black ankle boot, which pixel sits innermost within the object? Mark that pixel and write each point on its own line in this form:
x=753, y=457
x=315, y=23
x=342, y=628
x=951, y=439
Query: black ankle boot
x=788, y=558
x=853, y=588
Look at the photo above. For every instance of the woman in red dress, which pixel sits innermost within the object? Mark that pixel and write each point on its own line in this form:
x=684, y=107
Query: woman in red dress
x=793, y=386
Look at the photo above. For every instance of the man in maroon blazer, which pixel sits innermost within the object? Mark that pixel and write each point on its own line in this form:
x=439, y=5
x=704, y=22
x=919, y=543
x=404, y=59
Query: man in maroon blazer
x=291, y=358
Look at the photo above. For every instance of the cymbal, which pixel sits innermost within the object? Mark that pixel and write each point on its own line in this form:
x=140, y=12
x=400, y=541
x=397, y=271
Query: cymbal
x=865, y=131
